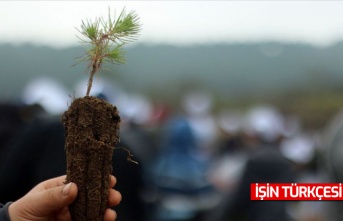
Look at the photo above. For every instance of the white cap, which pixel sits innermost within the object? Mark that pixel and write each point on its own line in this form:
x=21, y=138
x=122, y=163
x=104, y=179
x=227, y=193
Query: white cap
x=299, y=149
x=230, y=121
x=48, y=93
x=197, y=102
x=265, y=122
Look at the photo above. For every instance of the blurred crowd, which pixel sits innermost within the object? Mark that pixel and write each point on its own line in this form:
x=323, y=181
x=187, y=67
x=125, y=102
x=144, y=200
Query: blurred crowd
x=194, y=163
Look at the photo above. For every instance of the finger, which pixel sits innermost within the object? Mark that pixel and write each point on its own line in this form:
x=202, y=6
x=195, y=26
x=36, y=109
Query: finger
x=54, y=182
x=110, y=215
x=51, y=183
x=113, y=181
x=114, y=198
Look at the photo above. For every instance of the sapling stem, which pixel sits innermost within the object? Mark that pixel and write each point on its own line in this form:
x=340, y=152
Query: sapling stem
x=95, y=67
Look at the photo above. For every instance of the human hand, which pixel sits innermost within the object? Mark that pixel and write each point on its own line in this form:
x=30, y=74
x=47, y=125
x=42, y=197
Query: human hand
x=49, y=200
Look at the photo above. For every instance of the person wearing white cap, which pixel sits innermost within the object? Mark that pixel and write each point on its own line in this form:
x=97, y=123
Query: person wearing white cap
x=263, y=127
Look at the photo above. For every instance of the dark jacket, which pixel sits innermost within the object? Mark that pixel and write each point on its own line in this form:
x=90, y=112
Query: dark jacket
x=4, y=216
x=265, y=165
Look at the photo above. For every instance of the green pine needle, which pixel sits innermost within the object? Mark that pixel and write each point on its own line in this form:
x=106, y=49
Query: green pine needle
x=105, y=39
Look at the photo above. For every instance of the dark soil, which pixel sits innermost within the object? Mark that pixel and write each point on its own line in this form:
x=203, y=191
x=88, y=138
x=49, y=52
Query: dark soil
x=92, y=130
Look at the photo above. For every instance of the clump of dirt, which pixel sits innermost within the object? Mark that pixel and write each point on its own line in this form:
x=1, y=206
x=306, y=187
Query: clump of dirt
x=92, y=130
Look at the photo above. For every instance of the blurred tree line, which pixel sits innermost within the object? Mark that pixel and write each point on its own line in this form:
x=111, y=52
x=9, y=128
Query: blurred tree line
x=299, y=79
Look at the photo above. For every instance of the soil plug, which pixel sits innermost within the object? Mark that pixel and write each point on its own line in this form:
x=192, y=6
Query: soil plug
x=92, y=124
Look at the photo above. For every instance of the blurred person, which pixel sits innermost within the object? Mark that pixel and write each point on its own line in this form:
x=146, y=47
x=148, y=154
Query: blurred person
x=263, y=127
x=11, y=122
x=13, y=117
x=229, y=158
x=135, y=114
x=49, y=200
x=47, y=92
x=182, y=188
x=36, y=154
x=332, y=162
x=230, y=127
x=301, y=150
x=197, y=105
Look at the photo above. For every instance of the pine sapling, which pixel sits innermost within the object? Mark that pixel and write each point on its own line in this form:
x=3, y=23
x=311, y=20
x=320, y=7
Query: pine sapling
x=92, y=124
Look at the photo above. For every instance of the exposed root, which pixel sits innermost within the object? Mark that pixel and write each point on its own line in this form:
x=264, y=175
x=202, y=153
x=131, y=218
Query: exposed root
x=129, y=155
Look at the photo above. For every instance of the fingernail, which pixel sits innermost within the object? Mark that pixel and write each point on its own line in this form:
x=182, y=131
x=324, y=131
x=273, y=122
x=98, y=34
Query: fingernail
x=66, y=189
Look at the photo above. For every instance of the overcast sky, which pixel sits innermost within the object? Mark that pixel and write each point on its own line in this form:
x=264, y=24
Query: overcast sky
x=178, y=22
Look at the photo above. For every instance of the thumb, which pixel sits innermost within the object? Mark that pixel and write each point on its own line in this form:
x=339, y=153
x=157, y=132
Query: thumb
x=53, y=199
x=58, y=197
